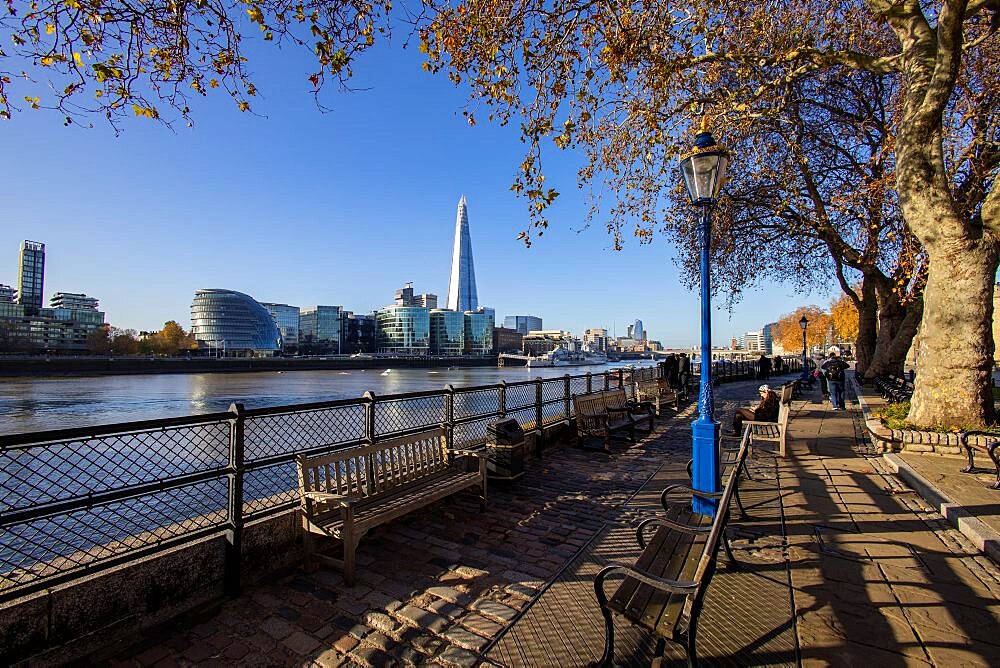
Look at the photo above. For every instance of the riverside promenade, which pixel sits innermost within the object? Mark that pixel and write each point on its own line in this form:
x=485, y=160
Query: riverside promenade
x=842, y=565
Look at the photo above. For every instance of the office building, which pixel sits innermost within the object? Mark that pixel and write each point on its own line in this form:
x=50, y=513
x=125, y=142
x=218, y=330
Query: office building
x=447, y=332
x=31, y=274
x=462, y=294
x=8, y=295
x=403, y=330
x=506, y=340
x=595, y=339
x=233, y=323
x=636, y=331
x=523, y=323
x=542, y=341
x=30, y=329
x=406, y=297
x=479, y=332
x=287, y=319
x=359, y=333
x=73, y=300
x=320, y=329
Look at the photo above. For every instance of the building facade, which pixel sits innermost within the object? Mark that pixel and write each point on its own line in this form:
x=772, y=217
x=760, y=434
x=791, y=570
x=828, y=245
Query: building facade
x=523, y=323
x=479, y=332
x=403, y=330
x=320, y=329
x=447, y=332
x=74, y=300
x=233, y=323
x=596, y=339
x=286, y=317
x=462, y=294
x=59, y=330
x=8, y=295
x=506, y=340
x=360, y=333
x=542, y=341
x=31, y=274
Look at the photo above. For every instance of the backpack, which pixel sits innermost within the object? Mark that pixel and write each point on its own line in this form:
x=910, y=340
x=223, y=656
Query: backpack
x=835, y=371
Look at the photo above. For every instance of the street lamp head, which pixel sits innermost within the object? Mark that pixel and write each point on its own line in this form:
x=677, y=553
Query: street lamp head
x=803, y=323
x=704, y=169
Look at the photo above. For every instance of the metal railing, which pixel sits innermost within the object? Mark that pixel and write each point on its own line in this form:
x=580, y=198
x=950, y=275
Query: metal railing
x=74, y=501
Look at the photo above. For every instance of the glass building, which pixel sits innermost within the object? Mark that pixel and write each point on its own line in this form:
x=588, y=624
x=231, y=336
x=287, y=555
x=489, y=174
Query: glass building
x=233, y=322
x=31, y=274
x=523, y=323
x=287, y=319
x=462, y=285
x=359, y=332
x=320, y=328
x=74, y=300
x=447, y=332
x=478, y=332
x=404, y=330
x=29, y=329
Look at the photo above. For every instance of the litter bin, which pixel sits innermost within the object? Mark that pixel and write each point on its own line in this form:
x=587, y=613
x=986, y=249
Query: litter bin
x=505, y=450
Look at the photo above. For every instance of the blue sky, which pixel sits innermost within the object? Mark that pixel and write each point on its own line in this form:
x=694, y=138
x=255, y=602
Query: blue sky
x=305, y=207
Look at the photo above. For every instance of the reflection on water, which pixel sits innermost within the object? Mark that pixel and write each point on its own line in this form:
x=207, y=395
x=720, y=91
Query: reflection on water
x=33, y=404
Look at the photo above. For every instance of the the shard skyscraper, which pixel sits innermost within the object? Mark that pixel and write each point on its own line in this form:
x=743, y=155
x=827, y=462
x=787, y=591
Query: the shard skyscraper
x=462, y=286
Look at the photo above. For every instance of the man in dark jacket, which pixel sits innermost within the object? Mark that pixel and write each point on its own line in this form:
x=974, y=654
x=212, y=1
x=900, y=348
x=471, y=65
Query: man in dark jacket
x=766, y=409
x=834, y=371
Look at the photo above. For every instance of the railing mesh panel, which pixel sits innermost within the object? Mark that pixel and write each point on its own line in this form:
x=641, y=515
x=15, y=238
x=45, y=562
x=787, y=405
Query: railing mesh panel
x=396, y=415
x=267, y=435
x=579, y=385
x=471, y=434
x=478, y=402
x=553, y=389
x=525, y=417
x=270, y=486
x=48, y=546
x=520, y=396
x=70, y=469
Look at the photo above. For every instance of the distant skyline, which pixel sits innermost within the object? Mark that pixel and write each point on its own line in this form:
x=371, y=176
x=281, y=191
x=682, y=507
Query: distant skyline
x=340, y=208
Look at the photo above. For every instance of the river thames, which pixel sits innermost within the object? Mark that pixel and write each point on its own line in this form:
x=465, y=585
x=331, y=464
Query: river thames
x=40, y=403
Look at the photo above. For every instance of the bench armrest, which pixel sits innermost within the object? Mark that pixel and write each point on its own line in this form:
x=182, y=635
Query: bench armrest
x=662, y=584
x=665, y=502
x=640, y=530
x=328, y=497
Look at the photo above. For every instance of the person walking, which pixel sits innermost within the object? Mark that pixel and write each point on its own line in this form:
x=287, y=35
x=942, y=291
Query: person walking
x=833, y=370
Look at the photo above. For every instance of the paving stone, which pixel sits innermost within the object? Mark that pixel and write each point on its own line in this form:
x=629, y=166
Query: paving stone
x=352, y=606
x=329, y=658
x=456, y=657
x=276, y=627
x=446, y=609
x=481, y=625
x=345, y=644
x=301, y=643
x=421, y=618
x=380, y=640
x=464, y=638
x=152, y=655
x=367, y=655
x=450, y=594
x=236, y=651
x=495, y=610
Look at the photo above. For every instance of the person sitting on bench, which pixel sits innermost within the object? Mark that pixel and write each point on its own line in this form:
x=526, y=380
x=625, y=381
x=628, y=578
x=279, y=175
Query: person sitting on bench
x=765, y=411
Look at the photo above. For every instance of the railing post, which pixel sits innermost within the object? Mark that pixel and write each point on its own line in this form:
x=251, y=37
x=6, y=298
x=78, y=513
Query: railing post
x=607, y=380
x=234, y=532
x=369, y=399
x=566, y=395
x=539, y=432
x=590, y=382
x=621, y=379
x=449, y=416
x=502, y=398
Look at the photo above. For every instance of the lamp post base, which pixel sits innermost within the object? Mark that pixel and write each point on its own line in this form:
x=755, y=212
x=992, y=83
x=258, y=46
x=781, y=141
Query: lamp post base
x=705, y=470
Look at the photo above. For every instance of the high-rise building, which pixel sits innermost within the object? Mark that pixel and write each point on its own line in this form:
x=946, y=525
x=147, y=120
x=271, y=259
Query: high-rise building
x=523, y=323
x=8, y=294
x=635, y=331
x=404, y=330
x=462, y=294
x=31, y=274
x=406, y=297
x=287, y=319
x=73, y=300
x=321, y=329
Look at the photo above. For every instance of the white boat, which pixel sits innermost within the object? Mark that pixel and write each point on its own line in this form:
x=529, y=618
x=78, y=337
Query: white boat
x=559, y=356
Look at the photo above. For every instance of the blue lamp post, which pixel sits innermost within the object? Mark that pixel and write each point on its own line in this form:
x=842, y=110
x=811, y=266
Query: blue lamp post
x=704, y=171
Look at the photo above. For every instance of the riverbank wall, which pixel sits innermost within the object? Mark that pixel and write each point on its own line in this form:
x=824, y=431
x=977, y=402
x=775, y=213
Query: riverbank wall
x=109, y=366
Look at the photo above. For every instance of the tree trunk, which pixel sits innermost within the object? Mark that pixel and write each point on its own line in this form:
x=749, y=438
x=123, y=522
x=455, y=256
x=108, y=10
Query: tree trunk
x=864, y=345
x=955, y=354
x=891, y=314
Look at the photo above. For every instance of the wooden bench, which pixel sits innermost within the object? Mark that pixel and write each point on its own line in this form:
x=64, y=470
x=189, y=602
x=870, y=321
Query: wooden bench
x=894, y=389
x=658, y=392
x=346, y=493
x=773, y=432
x=664, y=591
x=987, y=446
x=606, y=413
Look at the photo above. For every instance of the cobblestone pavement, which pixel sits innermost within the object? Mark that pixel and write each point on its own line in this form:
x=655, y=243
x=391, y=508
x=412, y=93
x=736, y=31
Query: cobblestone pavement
x=865, y=572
